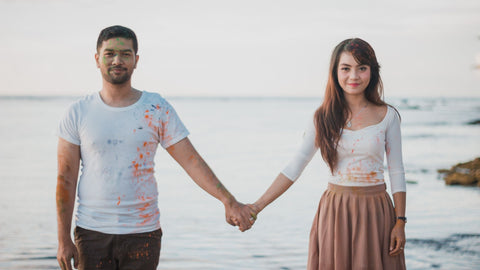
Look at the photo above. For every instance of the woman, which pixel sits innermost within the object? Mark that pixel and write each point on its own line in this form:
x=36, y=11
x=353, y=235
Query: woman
x=356, y=225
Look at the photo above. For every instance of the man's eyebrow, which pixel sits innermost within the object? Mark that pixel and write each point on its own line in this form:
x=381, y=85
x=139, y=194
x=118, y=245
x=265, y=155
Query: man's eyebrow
x=112, y=50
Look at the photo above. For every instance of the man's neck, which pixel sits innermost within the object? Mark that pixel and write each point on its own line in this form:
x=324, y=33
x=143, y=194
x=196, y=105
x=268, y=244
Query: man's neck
x=122, y=95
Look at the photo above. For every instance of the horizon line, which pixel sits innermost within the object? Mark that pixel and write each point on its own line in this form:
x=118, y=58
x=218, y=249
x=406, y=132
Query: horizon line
x=52, y=97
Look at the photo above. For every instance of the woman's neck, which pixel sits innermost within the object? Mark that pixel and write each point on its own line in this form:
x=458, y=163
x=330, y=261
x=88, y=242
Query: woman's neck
x=356, y=103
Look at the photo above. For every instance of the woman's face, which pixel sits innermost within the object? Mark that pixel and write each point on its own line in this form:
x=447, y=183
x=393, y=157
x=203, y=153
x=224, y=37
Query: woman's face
x=352, y=77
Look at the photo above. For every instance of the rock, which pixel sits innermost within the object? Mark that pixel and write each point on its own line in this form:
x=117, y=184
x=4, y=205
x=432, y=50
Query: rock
x=460, y=179
x=472, y=165
x=467, y=174
x=474, y=122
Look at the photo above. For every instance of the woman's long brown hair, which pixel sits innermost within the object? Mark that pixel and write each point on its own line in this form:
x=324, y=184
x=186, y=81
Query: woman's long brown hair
x=331, y=116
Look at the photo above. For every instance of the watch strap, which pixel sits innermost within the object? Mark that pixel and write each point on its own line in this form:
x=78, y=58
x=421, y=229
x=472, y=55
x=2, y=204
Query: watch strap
x=404, y=219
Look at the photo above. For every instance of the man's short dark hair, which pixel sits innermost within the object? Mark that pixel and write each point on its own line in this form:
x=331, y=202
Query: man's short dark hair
x=115, y=32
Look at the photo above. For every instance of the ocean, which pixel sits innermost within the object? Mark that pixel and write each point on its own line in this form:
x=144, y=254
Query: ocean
x=247, y=142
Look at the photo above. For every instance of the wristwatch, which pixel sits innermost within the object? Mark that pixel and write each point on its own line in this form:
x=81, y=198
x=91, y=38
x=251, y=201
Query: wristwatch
x=404, y=219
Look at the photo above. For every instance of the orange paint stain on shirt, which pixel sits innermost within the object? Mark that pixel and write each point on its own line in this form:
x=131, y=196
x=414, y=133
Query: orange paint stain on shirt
x=145, y=215
x=119, y=199
x=168, y=138
x=141, y=172
x=146, y=219
x=144, y=207
x=370, y=177
x=143, y=198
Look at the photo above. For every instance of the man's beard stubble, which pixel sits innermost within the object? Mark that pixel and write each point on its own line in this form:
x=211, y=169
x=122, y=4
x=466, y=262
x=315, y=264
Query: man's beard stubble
x=117, y=79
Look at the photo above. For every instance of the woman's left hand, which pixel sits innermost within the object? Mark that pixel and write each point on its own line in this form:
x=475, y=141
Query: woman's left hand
x=397, y=238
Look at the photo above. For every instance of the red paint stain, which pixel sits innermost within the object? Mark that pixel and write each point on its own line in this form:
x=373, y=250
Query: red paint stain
x=119, y=199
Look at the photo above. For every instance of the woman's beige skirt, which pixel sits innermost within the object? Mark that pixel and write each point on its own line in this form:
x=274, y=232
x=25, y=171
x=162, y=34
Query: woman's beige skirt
x=352, y=229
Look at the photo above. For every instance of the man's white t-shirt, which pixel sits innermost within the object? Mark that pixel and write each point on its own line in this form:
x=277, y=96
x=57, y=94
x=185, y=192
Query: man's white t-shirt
x=117, y=190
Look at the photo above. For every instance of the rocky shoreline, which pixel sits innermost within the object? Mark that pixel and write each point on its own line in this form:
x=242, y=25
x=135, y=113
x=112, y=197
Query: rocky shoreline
x=465, y=174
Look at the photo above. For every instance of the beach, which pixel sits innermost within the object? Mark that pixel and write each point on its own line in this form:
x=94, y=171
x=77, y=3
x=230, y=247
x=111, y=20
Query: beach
x=247, y=142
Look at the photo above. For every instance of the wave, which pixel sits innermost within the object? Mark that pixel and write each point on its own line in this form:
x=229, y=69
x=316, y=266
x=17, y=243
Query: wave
x=465, y=244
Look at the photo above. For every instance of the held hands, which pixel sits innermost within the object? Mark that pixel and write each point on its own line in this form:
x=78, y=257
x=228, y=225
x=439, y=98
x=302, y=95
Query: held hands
x=241, y=215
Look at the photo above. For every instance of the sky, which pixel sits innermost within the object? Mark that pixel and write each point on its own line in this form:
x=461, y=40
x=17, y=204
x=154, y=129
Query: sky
x=241, y=48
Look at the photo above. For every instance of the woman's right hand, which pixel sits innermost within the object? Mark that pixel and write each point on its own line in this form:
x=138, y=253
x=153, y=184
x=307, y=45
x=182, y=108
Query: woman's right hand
x=255, y=209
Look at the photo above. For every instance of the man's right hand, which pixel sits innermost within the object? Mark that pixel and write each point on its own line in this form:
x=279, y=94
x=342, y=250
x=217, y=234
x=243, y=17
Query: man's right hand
x=240, y=215
x=67, y=251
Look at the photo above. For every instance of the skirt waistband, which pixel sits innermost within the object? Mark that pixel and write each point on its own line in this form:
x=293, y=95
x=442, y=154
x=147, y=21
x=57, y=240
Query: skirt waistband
x=358, y=189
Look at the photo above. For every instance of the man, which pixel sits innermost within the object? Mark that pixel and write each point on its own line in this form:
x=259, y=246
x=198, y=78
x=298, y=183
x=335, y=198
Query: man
x=115, y=134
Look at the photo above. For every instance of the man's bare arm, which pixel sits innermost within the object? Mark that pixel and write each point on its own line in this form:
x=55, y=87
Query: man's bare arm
x=186, y=155
x=68, y=157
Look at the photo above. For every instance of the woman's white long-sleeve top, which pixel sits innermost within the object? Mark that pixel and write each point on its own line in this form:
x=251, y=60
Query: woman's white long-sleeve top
x=360, y=155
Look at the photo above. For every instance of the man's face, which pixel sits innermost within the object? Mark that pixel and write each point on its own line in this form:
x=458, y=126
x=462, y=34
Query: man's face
x=116, y=60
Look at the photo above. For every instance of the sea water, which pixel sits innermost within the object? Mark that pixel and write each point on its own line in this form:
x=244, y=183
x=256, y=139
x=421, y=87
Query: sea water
x=247, y=142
